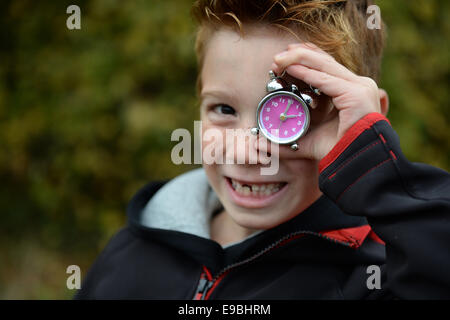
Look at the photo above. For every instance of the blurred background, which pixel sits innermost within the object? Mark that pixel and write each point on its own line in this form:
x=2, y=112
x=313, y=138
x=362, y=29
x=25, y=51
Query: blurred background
x=86, y=117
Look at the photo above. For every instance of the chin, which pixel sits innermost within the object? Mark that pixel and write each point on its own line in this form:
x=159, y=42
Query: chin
x=258, y=219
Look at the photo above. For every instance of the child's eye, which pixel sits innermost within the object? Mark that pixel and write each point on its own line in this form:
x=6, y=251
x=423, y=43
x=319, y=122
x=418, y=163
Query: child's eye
x=224, y=109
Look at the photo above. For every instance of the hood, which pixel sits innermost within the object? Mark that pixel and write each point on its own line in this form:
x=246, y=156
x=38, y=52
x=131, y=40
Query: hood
x=177, y=214
x=184, y=204
x=187, y=203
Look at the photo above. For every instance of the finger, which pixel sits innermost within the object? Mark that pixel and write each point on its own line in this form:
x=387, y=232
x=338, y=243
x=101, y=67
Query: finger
x=314, y=60
x=307, y=45
x=328, y=84
x=279, y=69
x=275, y=68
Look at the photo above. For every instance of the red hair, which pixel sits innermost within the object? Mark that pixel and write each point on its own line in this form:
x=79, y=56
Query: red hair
x=337, y=26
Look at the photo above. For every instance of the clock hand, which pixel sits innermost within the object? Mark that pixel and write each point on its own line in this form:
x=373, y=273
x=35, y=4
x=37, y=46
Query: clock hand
x=283, y=114
x=291, y=116
x=287, y=107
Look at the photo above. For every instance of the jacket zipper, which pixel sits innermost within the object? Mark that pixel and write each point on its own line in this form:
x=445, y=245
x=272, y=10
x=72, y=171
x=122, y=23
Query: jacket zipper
x=203, y=286
x=206, y=282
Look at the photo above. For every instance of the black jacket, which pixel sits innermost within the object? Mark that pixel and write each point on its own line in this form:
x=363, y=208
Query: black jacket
x=378, y=210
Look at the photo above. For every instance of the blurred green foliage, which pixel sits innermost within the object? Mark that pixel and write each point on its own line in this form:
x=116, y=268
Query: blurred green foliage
x=86, y=117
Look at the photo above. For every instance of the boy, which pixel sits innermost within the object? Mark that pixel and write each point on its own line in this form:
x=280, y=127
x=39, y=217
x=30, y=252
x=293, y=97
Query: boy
x=346, y=202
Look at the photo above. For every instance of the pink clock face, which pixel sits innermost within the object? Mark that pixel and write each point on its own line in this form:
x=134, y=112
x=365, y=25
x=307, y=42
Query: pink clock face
x=283, y=117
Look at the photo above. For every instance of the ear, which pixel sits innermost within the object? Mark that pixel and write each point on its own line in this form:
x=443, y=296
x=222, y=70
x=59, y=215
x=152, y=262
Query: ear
x=384, y=101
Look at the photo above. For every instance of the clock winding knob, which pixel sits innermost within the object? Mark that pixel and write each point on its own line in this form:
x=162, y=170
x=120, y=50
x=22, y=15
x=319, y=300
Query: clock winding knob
x=275, y=83
x=254, y=131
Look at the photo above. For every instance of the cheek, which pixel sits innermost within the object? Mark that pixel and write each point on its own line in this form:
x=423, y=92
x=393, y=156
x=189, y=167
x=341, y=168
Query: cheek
x=214, y=176
x=304, y=183
x=210, y=133
x=211, y=170
x=213, y=139
x=205, y=127
x=302, y=171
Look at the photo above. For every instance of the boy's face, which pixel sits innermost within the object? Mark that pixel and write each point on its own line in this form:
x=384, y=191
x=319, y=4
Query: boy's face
x=234, y=77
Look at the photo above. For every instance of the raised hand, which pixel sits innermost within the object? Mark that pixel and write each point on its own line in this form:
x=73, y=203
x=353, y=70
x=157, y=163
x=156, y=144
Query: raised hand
x=351, y=97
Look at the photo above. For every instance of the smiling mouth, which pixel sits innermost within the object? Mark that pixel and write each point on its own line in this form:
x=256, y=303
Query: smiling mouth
x=247, y=189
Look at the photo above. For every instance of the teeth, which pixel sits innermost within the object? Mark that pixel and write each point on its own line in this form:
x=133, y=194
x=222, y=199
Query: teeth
x=256, y=189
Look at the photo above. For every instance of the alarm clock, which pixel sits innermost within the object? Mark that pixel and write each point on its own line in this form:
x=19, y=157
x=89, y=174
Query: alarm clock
x=283, y=115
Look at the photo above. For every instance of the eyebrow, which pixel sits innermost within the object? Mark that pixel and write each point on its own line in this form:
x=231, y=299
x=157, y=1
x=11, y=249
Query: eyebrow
x=217, y=93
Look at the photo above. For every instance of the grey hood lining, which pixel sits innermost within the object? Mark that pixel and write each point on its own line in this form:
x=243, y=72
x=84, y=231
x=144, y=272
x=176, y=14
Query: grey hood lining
x=184, y=204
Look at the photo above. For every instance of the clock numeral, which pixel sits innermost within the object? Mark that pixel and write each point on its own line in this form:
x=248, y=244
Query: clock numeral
x=296, y=107
x=300, y=114
x=285, y=132
x=270, y=126
x=299, y=123
x=294, y=129
x=275, y=104
x=267, y=109
x=267, y=118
